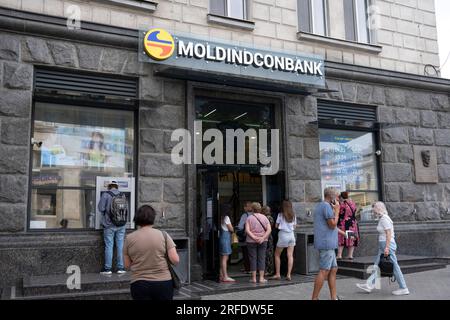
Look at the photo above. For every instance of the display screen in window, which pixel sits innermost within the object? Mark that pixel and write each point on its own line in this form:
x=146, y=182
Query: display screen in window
x=77, y=145
x=348, y=163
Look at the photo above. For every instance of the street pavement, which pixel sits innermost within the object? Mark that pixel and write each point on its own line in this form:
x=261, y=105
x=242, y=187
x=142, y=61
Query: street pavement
x=428, y=285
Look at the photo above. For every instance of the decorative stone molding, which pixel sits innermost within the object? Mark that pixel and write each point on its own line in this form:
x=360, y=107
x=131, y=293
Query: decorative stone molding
x=133, y=4
x=371, y=48
x=231, y=22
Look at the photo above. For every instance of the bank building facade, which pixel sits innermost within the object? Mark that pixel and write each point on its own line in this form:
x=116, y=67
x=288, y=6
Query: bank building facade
x=92, y=91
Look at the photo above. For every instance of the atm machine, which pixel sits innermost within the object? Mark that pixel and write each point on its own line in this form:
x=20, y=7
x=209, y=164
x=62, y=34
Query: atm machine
x=127, y=186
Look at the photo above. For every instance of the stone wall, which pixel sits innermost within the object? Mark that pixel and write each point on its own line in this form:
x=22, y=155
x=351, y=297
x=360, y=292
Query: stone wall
x=420, y=118
x=160, y=183
x=303, y=155
x=420, y=211
x=406, y=32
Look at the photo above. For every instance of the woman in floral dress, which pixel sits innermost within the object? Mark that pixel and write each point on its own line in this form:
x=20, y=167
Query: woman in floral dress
x=269, y=252
x=347, y=222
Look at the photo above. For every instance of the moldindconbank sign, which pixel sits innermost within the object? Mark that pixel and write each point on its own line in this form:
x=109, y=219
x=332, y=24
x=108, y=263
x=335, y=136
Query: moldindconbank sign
x=159, y=46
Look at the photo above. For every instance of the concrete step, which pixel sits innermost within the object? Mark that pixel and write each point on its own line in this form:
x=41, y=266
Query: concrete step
x=98, y=287
x=57, y=284
x=114, y=294
x=93, y=286
x=406, y=269
x=403, y=260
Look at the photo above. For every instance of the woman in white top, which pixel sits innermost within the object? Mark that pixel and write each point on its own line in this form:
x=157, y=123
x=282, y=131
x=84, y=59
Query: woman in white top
x=286, y=224
x=386, y=246
x=226, y=229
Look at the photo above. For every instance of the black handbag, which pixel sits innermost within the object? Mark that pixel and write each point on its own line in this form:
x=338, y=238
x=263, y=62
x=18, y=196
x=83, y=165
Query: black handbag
x=386, y=266
x=174, y=273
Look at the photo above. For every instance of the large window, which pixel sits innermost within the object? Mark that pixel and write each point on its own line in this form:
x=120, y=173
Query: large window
x=72, y=146
x=236, y=9
x=342, y=19
x=348, y=163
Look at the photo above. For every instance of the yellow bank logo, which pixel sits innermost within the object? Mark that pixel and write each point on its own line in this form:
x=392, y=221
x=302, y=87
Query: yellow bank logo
x=159, y=44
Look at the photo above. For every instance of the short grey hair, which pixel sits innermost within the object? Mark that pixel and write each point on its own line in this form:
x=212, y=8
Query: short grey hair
x=330, y=192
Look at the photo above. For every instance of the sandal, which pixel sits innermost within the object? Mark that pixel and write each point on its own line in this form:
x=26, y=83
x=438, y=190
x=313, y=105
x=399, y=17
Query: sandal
x=228, y=280
x=275, y=278
x=288, y=278
x=263, y=281
x=251, y=281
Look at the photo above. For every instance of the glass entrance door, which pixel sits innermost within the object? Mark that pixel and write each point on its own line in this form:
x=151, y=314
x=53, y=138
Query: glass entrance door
x=217, y=186
x=207, y=223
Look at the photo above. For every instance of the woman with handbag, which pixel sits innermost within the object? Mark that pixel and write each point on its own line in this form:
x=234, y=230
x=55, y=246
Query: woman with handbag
x=149, y=254
x=226, y=230
x=258, y=230
x=387, y=248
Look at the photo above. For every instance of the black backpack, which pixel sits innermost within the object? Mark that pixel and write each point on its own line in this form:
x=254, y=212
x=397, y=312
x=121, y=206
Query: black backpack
x=119, y=209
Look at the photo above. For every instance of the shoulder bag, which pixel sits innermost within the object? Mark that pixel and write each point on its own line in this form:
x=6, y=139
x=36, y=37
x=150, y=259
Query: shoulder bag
x=176, y=277
x=265, y=229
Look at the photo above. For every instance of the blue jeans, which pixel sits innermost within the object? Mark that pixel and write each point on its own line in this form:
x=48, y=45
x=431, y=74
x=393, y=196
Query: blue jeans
x=397, y=271
x=109, y=235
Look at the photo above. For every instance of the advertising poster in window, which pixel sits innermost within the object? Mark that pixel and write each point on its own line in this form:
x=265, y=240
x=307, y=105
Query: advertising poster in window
x=348, y=163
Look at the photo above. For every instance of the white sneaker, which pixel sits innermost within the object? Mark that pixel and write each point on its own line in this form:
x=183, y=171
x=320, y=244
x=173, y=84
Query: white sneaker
x=106, y=272
x=401, y=292
x=364, y=287
x=121, y=271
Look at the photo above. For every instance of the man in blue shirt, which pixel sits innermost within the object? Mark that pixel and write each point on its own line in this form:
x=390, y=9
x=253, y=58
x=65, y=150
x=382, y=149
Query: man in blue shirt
x=326, y=217
x=241, y=227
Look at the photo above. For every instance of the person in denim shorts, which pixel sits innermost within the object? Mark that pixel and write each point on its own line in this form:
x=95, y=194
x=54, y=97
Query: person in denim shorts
x=326, y=218
x=286, y=223
x=226, y=229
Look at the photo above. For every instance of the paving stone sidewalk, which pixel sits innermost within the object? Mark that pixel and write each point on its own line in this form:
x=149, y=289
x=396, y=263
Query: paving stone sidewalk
x=429, y=285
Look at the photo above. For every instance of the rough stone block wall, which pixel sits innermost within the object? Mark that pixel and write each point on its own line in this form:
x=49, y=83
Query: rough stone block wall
x=406, y=31
x=303, y=155
x=18, y=55
x=161, y=183
x=15, y=113
x=161, y=111
x=420, y=118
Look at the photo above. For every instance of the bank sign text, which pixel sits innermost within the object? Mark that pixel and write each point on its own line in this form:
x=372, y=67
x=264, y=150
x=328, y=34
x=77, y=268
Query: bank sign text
x=200, y=54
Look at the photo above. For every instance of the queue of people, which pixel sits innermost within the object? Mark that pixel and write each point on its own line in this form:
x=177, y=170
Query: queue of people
x=261, y=252
x=149, y=253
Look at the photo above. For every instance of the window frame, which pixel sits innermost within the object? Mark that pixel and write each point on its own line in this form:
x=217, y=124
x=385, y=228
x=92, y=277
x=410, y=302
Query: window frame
x=353, y=27
x=377, y=146
x=80, y=102
x=244, y=10
x=226, y=9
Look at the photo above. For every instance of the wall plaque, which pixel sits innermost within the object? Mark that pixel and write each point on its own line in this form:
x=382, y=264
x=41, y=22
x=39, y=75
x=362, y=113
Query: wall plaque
x=425, y=164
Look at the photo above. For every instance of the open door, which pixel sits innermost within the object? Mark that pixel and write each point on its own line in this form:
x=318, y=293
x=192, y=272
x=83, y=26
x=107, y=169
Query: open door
x=209, y=224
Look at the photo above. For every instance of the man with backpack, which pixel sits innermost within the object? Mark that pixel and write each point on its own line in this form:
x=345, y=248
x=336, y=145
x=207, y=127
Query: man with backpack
x=114, y=208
